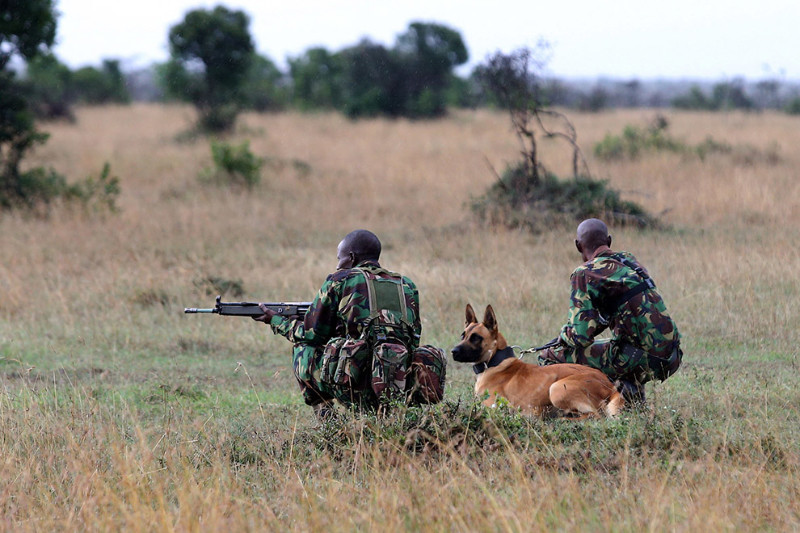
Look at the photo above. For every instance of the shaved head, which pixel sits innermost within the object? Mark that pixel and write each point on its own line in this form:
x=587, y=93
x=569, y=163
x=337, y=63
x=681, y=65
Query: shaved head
x=359, y=245
x=592, y=234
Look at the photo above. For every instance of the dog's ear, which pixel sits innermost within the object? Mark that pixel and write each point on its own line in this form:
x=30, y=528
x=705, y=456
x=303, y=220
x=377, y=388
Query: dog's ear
x=470, y=318
x=489, y=320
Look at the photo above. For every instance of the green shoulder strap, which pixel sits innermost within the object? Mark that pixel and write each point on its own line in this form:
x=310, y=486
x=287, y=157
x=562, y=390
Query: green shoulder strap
x=385, y=294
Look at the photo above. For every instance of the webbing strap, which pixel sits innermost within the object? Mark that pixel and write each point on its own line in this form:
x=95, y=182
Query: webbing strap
x=615, y=304
x=647, y=283
x=373, y=296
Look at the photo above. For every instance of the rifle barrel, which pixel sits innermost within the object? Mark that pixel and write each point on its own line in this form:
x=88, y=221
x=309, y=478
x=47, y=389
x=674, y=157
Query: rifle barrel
x=196, y=310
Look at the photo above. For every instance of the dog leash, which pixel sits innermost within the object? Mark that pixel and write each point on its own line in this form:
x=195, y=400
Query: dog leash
x=550, y=344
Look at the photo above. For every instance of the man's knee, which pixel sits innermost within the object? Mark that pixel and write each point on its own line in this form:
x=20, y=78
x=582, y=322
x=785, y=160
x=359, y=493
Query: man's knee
x=303, y=362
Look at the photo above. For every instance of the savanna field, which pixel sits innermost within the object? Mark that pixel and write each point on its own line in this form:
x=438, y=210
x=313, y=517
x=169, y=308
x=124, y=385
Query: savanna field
x=119, y=412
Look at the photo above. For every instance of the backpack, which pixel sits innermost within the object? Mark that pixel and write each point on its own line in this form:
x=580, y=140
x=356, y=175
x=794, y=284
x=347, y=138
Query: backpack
x=388, y=334
x=378, y=363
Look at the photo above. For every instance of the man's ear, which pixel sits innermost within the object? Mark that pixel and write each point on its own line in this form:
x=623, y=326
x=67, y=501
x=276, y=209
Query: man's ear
x=489, y=320
x=609, y=241
x=578, y=246
x=470, y=315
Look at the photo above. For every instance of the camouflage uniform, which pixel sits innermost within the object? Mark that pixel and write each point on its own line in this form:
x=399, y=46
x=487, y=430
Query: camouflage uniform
x=607, y=291
x=339, y=313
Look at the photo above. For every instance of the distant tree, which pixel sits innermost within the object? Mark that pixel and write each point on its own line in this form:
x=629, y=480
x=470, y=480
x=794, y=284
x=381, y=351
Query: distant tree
x=631, y=90
x=526, y=194
x=730, y=95
x=724, y=96
x=428, y=53
x=49, y=88
x=263, y=88
x=101, y=86
x=596, y=100
x=767, y=94
x=317, y=79
x=371, y=81
x=515, y=81
x=792, y=107
x=695, y=99
x=211, y=53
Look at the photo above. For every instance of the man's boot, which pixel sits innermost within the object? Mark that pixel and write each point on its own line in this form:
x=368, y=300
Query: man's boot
x=324, y=411
x=633, y=393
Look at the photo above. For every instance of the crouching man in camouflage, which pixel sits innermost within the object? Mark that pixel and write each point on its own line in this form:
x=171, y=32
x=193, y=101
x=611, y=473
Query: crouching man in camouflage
x=359, y=340
x=612, y=290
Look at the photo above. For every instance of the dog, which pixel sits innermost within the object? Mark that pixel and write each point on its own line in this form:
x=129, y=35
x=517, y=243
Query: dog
x=562, y=389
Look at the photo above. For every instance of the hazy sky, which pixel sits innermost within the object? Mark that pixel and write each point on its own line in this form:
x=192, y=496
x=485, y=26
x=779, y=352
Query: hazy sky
x=700, y=39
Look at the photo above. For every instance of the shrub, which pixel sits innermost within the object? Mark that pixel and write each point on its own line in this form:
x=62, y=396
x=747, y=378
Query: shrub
x=516, y=200
x=40, y=187
x=96, y=194
x=634, y=141
x=793, y=107
x=233, y=165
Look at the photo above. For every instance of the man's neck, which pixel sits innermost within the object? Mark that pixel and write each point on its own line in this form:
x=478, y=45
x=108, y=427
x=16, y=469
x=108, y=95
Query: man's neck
x=600, y=249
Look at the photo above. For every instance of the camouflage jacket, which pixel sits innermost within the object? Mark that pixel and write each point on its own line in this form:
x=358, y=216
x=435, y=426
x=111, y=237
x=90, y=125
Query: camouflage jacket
x=642, y=321
x=341, y=308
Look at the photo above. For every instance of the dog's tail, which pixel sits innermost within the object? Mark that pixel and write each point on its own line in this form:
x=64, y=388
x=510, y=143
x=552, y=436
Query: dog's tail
x=615, y=404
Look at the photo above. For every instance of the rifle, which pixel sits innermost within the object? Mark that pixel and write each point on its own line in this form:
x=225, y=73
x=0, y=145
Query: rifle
x=253, y=309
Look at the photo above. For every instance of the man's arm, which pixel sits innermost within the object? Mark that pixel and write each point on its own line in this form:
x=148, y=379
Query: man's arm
x=584, y=322
x=316, y=327
x=412, y=301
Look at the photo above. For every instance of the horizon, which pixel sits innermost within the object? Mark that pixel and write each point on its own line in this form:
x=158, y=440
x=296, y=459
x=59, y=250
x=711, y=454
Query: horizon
x=621, y=42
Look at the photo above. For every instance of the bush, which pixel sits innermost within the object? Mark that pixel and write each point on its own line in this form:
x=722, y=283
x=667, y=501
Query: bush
x=40, y=187
x=98, y=194
x=793, y=107
x=233, y=165
x=516, y=200
x=634, y=141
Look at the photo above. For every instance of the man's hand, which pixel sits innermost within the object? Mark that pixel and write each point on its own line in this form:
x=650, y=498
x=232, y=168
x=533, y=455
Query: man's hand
x=267, y=316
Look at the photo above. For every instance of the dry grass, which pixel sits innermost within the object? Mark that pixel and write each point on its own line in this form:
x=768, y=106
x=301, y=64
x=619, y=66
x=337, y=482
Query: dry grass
x=118, y=411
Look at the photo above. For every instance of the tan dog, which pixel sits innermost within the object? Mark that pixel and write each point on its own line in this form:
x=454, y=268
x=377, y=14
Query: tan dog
x=540, y=390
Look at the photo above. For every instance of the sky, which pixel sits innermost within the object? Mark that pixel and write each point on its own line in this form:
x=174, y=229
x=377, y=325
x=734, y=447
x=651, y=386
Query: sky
x=622, y=39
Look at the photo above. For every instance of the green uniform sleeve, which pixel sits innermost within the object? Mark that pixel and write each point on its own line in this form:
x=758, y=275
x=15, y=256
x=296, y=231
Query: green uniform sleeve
x=319, y=323
x=412, y=299
x=583, y=323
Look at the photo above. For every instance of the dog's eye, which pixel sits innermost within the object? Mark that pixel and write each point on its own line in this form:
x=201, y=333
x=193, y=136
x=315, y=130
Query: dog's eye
x=462, y=335
x=475, y=338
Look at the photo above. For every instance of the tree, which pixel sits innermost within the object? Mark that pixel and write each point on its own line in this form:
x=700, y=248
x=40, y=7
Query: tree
x=730, y=95
x=526, y=194
x=101, y=86
x=371, y=81
x=513, y=80
x=263, y=88
x=429, y=52
x=695, y=99
x=27, y=29
x=317, y=79
x=49, y=88
x=211, y=52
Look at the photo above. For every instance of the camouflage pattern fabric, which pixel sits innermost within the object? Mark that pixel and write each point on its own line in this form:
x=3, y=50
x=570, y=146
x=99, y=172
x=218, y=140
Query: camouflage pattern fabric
x=641, y=322
x=428, y=374
x=341, y=310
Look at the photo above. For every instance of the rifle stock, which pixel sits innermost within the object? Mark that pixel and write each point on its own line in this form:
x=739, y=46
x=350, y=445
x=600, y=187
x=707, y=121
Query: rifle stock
x=252, y=308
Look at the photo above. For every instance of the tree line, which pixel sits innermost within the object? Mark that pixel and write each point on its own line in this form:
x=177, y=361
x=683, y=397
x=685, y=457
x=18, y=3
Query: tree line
x=213, y=64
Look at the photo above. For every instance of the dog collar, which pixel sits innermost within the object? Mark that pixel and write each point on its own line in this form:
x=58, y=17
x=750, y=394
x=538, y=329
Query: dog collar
x=496, y=359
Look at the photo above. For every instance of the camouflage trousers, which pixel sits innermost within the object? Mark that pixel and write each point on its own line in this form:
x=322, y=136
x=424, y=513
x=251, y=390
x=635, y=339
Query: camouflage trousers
x=606, y=356
x=307, y=363
x=423, y=378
